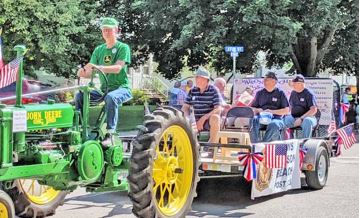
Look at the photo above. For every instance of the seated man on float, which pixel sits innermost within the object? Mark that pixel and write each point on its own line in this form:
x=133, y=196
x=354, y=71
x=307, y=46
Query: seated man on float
x=204, y=99
x=272, y=100
x=303, y=108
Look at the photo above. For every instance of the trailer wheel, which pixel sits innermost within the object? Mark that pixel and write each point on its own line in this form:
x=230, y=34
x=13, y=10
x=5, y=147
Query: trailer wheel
x=32, y=199
x=163, y=172
x=7, y=209
x=317, y=179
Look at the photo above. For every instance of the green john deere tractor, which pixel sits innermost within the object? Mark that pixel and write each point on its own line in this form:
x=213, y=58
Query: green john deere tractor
x=47, y=150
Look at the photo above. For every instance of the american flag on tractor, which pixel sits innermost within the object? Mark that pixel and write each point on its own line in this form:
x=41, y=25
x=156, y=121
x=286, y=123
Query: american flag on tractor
x=8, y=73
x=1, y=58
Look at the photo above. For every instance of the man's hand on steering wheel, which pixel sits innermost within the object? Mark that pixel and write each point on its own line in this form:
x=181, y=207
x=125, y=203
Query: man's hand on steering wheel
x=81, y=73
x=89, y=67
x=87, y=70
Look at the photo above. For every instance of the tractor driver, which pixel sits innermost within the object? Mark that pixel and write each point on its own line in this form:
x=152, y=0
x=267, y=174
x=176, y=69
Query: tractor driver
x=111, y=57
x=205, y=100
x=270, y=99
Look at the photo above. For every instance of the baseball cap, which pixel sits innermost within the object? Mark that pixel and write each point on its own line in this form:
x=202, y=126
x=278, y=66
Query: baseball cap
x=271, y=75
x=299, y=78
x=108, y=22
x=202, y=72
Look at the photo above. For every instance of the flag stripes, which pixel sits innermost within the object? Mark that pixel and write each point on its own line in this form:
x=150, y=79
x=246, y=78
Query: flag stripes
x=8, y=73
x=276, y=155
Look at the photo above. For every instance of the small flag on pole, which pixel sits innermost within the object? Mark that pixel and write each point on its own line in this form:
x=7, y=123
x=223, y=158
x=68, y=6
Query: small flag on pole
x=275, y=155
x=347, y=136
x=1, y=53
x=332, y=127
x=8, y=73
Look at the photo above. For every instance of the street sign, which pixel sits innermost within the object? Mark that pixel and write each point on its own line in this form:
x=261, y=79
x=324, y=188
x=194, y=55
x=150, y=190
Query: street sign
x=234, y=49
x=234, y=54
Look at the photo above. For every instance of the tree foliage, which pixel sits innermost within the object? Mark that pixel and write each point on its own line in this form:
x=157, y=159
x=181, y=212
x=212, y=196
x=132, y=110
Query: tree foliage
x=58, y=34
x=314, y=34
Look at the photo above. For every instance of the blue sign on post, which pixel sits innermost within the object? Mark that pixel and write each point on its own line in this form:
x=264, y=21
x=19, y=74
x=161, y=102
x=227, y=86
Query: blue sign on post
x=234, y=53
x=234, y=49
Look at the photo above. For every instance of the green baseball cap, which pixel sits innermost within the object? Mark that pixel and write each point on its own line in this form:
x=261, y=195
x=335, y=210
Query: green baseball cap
x=108, y=22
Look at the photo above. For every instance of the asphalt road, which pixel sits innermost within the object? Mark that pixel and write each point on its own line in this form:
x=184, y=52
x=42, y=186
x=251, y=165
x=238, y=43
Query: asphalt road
x=230, y=198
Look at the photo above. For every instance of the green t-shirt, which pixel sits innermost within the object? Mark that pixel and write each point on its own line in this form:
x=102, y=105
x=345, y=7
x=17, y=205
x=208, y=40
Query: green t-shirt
x=109, y=56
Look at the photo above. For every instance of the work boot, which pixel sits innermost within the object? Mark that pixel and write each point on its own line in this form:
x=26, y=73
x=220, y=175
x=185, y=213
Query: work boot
x=108, y=141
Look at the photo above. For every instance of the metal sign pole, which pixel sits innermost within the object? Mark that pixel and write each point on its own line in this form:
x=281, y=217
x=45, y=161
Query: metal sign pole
x=234, y=64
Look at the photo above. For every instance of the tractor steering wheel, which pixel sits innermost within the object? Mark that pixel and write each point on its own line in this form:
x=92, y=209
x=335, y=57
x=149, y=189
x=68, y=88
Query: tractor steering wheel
x=101, y=73
x=91, y=84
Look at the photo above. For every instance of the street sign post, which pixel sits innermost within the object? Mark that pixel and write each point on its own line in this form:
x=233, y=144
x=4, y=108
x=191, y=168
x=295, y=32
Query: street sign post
x=234, y=53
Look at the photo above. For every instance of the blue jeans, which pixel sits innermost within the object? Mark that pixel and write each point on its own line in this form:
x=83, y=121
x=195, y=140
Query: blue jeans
x=273, y=130
x=112, y=101
x=307, y=125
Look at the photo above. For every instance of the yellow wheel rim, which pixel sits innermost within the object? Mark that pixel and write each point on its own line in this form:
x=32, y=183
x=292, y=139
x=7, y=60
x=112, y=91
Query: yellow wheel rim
x=37, y=193
x=4, y=213
x=173, y=170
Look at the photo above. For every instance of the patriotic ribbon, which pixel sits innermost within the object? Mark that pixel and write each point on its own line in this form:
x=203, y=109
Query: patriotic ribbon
x=249, y=161
x=302, y=153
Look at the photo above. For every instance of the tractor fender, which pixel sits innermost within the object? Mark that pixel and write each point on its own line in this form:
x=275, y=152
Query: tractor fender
x=312, y=147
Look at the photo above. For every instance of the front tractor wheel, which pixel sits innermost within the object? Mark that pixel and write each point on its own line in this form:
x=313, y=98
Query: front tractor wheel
x=35, y=200
x=7, y=209
x=164, y=166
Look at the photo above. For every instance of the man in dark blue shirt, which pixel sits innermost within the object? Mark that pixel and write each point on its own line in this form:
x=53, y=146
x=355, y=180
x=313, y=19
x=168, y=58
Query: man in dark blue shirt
x=205, y=100
x=272, y=100
x=303, y=108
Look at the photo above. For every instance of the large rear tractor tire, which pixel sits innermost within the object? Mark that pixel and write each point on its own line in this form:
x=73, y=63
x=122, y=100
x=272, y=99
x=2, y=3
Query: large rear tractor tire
x=163, y=172
x=317, y=179
x=34, y=200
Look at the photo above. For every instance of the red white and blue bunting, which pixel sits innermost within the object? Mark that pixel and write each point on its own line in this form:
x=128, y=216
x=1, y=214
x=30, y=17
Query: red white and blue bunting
x=249, y=161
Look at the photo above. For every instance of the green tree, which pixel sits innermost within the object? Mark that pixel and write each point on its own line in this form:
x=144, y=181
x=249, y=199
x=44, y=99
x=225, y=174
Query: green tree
x=313, y=34
x=59, y=34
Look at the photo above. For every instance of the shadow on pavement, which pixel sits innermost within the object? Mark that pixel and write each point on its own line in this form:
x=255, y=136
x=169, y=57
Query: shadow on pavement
x=226, y=197
x=114, y=201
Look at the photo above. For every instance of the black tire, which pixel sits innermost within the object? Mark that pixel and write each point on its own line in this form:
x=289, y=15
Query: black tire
x=141, y=162
x=6, y=201
x=24, y=207
x=312, y=177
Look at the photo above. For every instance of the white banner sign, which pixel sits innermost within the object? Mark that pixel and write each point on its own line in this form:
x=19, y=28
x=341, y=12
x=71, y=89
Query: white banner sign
x=322, y=88
x=19, y=121
x=271, y=181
